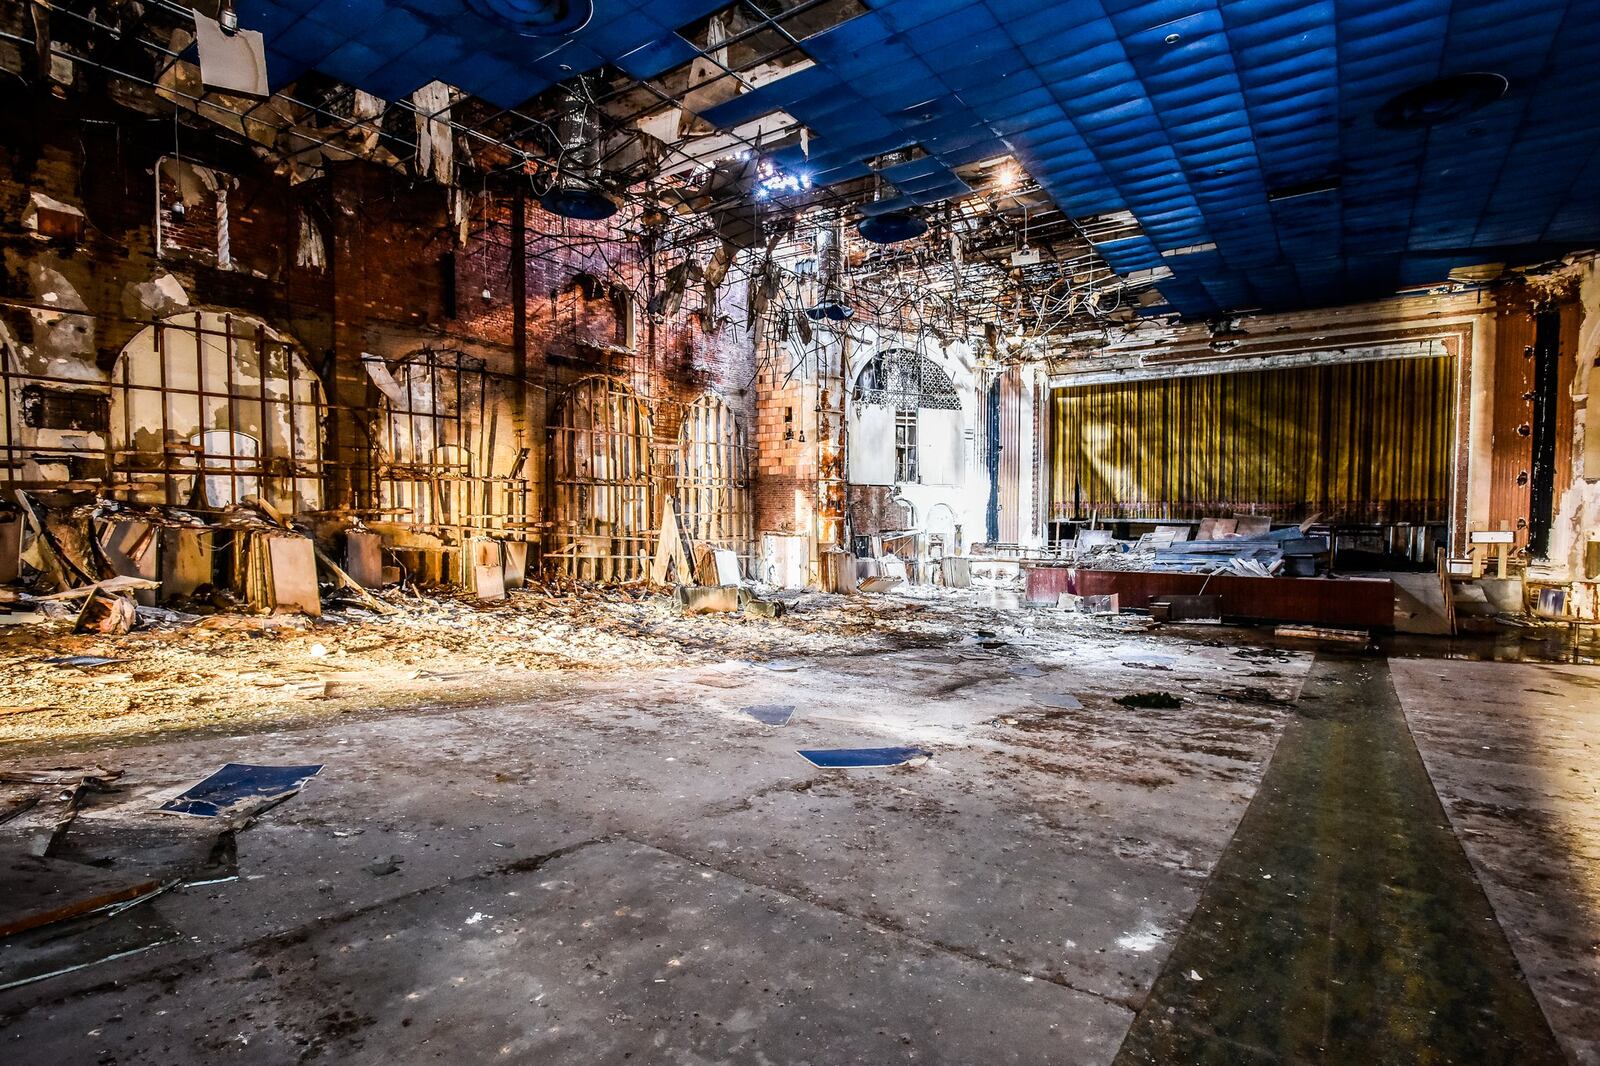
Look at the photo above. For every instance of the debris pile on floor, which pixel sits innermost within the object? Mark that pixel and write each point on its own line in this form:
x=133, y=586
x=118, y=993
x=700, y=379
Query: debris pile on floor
x=1223, y=547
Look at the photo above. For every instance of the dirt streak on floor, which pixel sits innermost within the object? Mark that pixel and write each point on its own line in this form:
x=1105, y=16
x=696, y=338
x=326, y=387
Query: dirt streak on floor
x=1343, y=923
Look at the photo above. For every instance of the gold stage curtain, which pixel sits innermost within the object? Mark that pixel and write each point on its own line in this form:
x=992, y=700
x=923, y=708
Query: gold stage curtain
x=1356, y=442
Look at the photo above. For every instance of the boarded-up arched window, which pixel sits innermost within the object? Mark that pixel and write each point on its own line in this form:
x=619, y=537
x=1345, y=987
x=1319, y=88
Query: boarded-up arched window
x=448, y=455
x=713, y=477
x=220, y=393
x=601, y=503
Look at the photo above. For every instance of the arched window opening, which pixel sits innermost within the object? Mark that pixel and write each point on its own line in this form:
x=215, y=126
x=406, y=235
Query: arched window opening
x=209, y=407
x=601, y=497
x=448, y=457
x=713, y=478
x=906, y=422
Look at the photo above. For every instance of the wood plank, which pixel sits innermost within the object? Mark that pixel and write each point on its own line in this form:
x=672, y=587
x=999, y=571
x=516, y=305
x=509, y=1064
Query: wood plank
x=292, y=574
x=363, y=557
x=41, y=891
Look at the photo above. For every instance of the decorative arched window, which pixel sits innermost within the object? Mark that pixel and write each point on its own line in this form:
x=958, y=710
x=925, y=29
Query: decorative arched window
x=906, y=381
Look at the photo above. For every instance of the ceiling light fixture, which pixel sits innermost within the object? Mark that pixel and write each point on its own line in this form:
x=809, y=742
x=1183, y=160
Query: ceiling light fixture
x=832, y=310
x=1441, y=100
x=892, y=227
x=576, y=192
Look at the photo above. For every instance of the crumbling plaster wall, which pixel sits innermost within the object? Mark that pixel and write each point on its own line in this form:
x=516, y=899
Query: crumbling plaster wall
x=388, y=277
x=198, y=377
x=73, y=302
x=587, y=286
x=1577, y=519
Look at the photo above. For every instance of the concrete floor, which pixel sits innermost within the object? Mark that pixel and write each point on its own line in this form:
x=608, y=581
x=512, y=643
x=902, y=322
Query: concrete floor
x=627, y=868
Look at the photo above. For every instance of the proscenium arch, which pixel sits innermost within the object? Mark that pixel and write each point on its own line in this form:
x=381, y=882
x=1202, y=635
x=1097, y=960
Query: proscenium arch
x=209, y=406
x=602, y=501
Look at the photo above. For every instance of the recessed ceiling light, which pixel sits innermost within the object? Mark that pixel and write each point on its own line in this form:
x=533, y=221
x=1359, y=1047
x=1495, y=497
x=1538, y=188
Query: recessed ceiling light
x=538, y=18
x=1442, y=100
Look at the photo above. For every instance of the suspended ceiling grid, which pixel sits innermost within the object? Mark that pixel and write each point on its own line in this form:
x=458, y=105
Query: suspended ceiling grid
x=1186, y=113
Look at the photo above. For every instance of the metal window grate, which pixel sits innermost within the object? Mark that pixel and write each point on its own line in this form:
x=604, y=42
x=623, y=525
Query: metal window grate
x=209, y=407
x=906, y=381
x=713, y=478
x=602, y=499
x=447, y=452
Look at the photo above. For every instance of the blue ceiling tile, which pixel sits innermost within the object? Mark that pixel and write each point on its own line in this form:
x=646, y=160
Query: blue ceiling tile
x=1185, y=112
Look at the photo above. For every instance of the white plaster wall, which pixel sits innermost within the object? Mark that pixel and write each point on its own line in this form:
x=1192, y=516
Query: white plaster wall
x=964, y=501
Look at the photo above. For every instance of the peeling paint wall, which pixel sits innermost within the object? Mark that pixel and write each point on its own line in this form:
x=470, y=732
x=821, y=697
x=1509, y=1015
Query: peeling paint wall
x=1577, y=519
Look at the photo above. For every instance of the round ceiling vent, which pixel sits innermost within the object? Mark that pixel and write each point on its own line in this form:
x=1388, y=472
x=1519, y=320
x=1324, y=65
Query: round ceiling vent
x=538, y=18
x=892, y=227
x=1442, y=100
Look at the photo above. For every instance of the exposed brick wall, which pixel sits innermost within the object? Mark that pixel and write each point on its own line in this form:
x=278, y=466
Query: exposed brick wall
x=395, y=280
